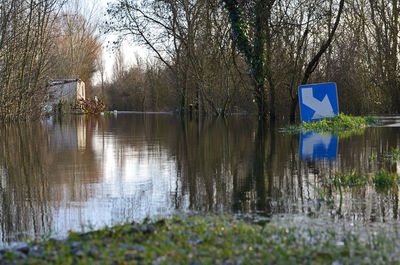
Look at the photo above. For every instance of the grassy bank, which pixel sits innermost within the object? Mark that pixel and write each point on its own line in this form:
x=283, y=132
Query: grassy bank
x=337, y=124
x=209, y=240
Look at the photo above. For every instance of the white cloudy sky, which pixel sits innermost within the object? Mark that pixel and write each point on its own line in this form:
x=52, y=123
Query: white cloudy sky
x=129, y=49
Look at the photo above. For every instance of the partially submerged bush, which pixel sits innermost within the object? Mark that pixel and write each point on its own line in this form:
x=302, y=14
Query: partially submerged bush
x=381, y=179
x=89, y=106
x=338, y=123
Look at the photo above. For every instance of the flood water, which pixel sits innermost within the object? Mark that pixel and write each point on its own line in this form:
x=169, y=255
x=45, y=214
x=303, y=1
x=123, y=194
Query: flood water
x=60, y=175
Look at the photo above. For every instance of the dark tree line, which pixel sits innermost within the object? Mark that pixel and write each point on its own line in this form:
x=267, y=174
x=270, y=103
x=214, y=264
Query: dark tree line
x=192, y=44
x=222, y=57
x=214, y=57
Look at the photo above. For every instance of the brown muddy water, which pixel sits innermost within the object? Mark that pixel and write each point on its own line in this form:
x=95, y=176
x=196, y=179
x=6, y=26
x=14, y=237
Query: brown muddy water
x=79, y=172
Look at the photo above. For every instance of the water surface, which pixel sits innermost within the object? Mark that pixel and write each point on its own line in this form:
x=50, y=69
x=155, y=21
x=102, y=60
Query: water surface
x=60, y=175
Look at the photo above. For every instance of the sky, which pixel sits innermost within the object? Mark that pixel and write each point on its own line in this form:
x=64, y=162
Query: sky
x=128, y=49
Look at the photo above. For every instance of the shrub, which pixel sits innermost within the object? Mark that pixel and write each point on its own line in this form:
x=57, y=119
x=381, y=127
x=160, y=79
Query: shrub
x=89, y=106
x=339, y=123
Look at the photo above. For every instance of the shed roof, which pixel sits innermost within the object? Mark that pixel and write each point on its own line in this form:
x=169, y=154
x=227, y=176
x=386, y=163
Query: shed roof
x=63, y=81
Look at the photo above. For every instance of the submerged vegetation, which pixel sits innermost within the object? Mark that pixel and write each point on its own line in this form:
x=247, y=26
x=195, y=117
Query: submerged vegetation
x=389, y=156
x=342, y=125
x=393, y=155
x=341, y=122
x=209, y=240
x=381, y=179
x=350, y=179
x=89, y=106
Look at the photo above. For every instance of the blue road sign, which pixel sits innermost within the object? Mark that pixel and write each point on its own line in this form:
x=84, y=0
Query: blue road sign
x=318, y=101
x=317, y=146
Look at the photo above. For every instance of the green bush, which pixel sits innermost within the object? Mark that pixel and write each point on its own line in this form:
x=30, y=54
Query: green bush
x=336, y=124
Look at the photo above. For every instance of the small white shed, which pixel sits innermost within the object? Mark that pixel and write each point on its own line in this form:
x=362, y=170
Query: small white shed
x=68, y=90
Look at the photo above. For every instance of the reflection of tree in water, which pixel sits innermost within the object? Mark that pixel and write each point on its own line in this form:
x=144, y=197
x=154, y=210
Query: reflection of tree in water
x=221, y=165
x=42, y=169
x=271, y=185
x=73, y=165
x=24, y=160
x=276, y=181
x=206, y=165
x=209, y=153
x=362, y=203
x=206, y=154
x=141, y=148
x=234, y=165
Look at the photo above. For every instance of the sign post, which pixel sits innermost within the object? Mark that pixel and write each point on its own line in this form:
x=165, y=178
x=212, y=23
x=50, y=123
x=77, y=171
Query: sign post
x=318, y=101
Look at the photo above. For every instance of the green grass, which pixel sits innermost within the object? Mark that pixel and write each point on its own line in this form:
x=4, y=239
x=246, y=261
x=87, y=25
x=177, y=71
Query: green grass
x=212, y=240
x=341, y=123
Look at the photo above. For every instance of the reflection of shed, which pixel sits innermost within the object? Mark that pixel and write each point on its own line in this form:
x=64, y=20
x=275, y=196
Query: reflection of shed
x=68, y=90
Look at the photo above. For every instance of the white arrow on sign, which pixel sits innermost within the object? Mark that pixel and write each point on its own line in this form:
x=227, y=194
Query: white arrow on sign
x=323, y=109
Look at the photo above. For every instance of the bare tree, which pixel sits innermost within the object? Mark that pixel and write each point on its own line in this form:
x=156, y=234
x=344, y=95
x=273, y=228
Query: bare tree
x=25, y=40
x=77, y=44
x=190, y=38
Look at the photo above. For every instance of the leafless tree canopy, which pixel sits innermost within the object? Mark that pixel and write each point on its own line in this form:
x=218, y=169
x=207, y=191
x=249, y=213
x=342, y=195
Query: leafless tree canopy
x=207, y=56
x=39, y=42
x=239, y=55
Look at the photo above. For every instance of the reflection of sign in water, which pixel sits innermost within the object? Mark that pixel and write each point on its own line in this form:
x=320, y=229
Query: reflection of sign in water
x=315, y=146
x=318, y=101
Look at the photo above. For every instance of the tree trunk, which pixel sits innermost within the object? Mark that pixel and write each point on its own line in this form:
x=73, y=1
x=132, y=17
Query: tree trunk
x=315, y=60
